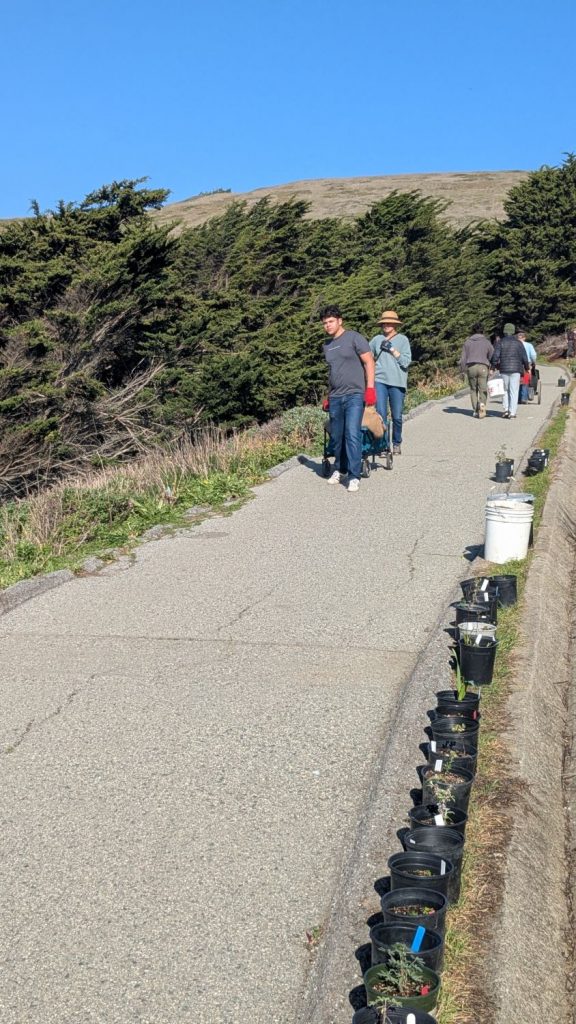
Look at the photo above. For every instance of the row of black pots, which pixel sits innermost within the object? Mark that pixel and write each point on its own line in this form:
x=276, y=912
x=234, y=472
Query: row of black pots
x=425, y=878
x=537, y=461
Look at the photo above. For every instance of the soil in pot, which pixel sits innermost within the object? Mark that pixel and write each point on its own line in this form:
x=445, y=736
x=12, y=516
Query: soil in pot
x=415, y=905
x=446, y=842
x=469, y=698
x=410, y=984
x=447, y=788
x=476, y=588
x=383, y=936
x=477, y=661
x=407, y=870
x=430, y=816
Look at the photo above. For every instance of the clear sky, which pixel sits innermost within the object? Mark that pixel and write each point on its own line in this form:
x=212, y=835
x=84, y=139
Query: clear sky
x=205, y=94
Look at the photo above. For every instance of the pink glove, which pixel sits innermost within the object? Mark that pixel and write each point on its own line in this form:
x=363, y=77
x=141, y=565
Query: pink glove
x=370, y=396
x=326, y=404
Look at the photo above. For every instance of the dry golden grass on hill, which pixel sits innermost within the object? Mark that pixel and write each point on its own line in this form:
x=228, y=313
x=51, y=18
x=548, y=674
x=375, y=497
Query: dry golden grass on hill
x=472, y=196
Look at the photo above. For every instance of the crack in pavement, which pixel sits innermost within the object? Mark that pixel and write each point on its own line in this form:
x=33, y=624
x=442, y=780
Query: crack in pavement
x=244, y=611
x=313, y=645
x=34, y=725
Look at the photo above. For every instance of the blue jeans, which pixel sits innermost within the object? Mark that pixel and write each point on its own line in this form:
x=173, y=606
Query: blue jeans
x=389, y=393
x=346, y=413
x=511, y=388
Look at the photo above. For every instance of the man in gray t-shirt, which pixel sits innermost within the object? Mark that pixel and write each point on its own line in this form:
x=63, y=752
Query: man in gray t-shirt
x=351, y=384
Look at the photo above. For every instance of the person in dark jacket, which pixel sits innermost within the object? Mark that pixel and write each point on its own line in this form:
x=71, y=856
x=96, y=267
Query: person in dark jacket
x=475, y=363
x=511, y=359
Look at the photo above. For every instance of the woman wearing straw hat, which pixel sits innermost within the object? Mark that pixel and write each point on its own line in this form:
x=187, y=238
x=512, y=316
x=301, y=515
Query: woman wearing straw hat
x=393, y=357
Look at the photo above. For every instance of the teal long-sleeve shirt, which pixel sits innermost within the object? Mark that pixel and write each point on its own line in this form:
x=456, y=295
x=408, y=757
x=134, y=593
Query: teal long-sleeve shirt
x=389, y=369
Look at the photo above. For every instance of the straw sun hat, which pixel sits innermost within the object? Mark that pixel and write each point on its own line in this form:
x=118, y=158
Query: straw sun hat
x=389, y=317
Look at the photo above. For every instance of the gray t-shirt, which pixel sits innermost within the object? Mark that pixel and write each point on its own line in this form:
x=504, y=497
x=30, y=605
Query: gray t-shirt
x=346, y=368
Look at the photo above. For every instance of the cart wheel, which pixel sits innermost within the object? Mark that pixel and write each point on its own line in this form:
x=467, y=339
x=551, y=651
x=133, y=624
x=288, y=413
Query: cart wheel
x=326, y=467
x=365, y=468
x=389, y=460
x=539, y=391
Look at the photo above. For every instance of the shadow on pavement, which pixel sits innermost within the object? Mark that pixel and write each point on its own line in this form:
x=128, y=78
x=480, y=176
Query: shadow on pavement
x=490, y=413
x=316, y=467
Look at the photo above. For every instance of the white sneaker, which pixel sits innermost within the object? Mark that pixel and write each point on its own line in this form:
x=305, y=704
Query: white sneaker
x=353, y=484
x=335, y=478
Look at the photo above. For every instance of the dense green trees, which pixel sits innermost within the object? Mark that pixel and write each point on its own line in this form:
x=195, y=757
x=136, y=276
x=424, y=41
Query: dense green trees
x=114, y=332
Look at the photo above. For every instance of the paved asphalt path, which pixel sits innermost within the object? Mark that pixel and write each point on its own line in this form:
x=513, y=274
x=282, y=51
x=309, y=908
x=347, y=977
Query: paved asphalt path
x=187, y=742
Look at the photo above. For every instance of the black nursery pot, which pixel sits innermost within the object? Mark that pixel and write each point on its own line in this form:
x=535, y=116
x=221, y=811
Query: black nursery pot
x=476, y=587
x=395, y=1015
x=403, y=868
x=446, y=842
x=471, y=612
x=504, y=470
x=464, y=741
x=477, y=662
x=469, y=699
x=431, y=951
x=565, y=398
x=463, y=732
x=457, y=709
x=457, y=792
x=561, y=382
x=507, y=586
x=425, y=817
x=450, y=755
x=411, y=899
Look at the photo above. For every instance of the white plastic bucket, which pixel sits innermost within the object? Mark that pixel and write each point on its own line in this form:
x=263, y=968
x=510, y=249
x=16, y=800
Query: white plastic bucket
x=508, y=524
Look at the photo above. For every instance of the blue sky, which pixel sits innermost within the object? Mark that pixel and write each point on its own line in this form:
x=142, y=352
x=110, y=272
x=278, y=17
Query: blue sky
x=246, y=93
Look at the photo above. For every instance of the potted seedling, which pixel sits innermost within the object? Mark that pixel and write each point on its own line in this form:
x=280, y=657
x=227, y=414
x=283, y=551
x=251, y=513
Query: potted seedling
x=416, y=906
x=446, y=842
x=446, y=787
x=427, y=944
x=432, y=816
x=504, y=466
x=402, y=979
x=477, y=654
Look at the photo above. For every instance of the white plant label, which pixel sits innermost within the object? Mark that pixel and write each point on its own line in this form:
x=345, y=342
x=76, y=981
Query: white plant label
x=433, y=746
x=484, y=584
x=410, y=1019
x=443, y=867
x=478, y=639
x=438, y=765
x=438, y=819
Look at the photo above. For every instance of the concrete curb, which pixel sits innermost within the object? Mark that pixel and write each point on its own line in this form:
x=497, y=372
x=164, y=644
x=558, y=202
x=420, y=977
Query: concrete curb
x=529, y=961
x=18, y=593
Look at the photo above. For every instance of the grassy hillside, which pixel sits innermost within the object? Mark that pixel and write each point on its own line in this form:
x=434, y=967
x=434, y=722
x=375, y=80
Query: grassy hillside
x=473, y=196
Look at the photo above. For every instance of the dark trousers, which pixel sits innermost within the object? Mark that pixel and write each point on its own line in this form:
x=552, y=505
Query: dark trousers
x=346, y=413
x=389, y=393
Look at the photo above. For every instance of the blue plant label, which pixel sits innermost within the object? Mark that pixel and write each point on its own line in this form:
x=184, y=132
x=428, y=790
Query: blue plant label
x=417, y=940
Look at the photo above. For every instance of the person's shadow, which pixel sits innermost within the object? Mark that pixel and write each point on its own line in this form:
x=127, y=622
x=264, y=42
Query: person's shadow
x=315, y=467
x=490, y=413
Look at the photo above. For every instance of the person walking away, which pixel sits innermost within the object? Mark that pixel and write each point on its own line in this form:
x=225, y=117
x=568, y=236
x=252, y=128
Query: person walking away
x=351, y=384
x=393, y=356
x=511, y=359
x=571, y=342
x=475, y=363
x=526, y=377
